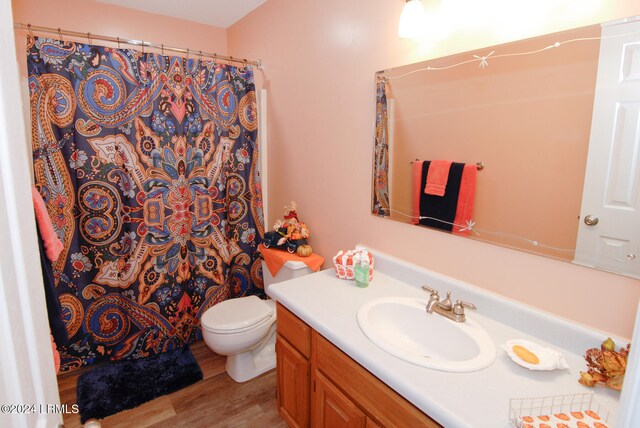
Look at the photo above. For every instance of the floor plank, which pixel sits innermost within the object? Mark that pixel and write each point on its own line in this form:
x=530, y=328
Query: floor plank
x=143, y=416
x=216, y=401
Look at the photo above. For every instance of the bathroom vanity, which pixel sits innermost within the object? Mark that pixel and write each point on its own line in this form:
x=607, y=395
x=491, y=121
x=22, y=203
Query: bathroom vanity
x=320, y=384
x=331, y=374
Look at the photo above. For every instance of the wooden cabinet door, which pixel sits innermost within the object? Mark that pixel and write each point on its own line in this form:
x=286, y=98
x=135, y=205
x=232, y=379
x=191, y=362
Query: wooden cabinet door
x=333, y=409
x=293, y=386
x=372, y=424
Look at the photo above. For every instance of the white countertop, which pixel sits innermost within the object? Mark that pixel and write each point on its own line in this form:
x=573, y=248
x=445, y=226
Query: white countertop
x=477, y=399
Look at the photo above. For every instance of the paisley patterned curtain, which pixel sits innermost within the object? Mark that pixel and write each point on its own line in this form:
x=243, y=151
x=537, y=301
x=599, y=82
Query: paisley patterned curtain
x=381, y=157
x=148, y=165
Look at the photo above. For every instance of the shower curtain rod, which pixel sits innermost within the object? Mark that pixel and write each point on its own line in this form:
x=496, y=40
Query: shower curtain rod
x=89, y=36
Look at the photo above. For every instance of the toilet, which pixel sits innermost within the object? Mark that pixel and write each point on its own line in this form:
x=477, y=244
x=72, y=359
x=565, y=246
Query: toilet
x=244, y=329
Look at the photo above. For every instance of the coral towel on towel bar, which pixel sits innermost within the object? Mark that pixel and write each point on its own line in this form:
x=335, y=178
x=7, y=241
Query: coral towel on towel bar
x=452, y=211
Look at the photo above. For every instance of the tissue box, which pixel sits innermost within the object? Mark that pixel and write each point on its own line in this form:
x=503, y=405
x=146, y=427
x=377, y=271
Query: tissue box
x=343, y=264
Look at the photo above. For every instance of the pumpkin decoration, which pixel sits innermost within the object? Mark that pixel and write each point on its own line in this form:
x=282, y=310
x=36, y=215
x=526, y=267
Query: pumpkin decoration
x=304, y=250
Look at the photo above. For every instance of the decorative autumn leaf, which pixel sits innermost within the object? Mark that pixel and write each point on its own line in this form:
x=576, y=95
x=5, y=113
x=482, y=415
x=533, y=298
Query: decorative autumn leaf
x=608, y=345
x=605, y=366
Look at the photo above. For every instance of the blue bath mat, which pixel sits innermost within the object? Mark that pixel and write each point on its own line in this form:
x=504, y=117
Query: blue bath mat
x=123, y=385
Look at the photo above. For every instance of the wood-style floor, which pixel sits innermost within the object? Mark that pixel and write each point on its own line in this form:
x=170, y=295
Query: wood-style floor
x=215, y=401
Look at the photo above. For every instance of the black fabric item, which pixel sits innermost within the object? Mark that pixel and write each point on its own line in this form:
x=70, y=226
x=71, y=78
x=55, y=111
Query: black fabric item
x=125, y=384
x=441, y=207
x=54, y=309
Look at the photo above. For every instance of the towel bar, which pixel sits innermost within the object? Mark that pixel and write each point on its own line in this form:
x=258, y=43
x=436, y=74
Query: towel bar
x=479, y=165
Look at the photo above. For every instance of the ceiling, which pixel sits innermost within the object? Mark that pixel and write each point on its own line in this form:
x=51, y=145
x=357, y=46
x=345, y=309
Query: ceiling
x=219, y=13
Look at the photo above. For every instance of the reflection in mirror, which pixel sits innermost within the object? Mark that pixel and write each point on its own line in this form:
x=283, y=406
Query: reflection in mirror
x=555, y=122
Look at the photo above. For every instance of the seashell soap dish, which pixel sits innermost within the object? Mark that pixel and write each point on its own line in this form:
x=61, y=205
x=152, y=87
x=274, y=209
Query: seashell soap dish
x=534, y=356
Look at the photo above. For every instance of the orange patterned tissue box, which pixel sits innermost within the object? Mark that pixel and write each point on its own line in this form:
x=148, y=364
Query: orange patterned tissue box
x=343, y=263
x=584, y=419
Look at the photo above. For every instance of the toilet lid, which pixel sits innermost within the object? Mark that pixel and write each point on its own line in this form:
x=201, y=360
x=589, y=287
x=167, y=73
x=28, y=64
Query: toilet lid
x=236, y=314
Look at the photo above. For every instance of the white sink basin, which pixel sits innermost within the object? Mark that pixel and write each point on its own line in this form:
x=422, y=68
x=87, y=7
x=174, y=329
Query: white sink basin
x=401, y=327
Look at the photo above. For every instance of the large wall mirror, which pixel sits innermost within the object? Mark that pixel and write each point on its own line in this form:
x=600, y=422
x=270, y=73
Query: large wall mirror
x=553, y=124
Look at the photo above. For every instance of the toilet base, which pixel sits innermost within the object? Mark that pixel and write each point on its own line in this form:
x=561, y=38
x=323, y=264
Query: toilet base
x=247, y=365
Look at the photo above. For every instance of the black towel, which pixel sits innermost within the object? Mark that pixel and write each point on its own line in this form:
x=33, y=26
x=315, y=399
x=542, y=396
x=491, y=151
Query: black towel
x=441, y=207
x=54, y=309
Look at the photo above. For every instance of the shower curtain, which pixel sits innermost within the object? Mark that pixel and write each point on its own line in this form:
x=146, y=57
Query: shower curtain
x=149, y=168
x=381, y=154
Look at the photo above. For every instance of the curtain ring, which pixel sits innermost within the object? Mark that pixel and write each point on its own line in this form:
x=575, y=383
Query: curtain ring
x=200, y=55
x=59, y=33
x=244, y=63
x=30, y=35
x=162, y=49
x=187, y=54
x=142, y=46
x=89, y=38
x=118, y=41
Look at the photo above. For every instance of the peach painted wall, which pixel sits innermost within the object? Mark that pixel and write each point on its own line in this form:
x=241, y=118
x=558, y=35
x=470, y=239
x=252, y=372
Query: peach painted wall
x=320, y=59
x=526, y=118
x=109, y=20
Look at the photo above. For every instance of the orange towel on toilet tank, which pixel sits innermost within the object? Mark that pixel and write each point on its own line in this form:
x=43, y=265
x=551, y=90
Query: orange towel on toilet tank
x=275, y=259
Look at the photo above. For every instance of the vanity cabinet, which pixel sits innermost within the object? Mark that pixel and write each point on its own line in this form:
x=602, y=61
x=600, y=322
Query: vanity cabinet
x=293, y=350
x=331, y=407
x=339, y=391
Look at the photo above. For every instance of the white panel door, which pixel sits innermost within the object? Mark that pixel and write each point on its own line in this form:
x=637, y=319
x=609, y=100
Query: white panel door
x=612, y=182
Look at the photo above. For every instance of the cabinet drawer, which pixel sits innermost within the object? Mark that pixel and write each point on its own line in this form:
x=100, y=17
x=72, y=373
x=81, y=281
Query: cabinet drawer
x=383, y=404
x=294, y=330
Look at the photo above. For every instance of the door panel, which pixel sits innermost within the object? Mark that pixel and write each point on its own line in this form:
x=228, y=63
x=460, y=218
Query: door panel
x=612, y=180
x=292, y=384
x=332, y=408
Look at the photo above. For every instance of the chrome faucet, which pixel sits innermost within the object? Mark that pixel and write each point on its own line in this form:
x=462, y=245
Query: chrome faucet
x=444, y=307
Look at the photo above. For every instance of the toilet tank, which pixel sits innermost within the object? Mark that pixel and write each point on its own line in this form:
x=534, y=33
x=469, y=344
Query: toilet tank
x=290, y=270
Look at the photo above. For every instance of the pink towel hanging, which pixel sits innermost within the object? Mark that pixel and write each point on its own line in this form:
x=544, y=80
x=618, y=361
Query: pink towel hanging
x=52, y=243
x=466, y=199
x=437, y=177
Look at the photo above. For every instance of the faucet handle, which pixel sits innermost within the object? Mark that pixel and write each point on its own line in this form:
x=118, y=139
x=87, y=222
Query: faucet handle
x=434, y=296
x=458, y=308
x=430, y=290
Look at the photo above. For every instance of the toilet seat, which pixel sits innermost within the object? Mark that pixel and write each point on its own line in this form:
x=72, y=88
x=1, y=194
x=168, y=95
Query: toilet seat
x=237, y=315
